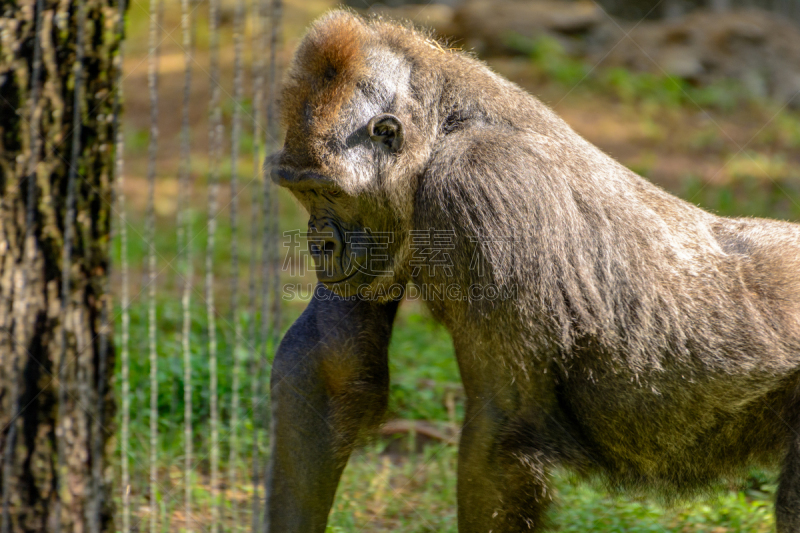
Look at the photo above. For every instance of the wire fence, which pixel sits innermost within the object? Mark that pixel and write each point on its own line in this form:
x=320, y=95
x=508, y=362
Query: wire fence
x=191, y=493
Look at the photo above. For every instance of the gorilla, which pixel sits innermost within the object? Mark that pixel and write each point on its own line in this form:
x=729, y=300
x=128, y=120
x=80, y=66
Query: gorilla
x=635, y=337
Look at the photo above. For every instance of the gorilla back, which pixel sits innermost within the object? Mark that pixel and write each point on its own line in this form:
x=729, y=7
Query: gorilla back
x=642, y=338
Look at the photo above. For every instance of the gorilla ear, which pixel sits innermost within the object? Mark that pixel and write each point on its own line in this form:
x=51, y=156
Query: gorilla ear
x=387, y=130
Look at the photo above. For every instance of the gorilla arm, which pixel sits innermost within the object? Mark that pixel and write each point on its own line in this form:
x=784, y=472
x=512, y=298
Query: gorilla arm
x=330, y=382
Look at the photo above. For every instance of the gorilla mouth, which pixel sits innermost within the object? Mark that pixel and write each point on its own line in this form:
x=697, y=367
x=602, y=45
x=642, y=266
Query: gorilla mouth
x=332, y=270
x=340, y=280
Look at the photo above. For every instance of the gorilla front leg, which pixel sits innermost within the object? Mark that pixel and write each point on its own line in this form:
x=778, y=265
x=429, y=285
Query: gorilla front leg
x=330, y=380
x=499, y=490
x=502, y=469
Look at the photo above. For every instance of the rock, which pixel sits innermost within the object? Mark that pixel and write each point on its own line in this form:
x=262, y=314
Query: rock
x=681, y=61
x=485, y=25
x=756, y=48
x=438, y=17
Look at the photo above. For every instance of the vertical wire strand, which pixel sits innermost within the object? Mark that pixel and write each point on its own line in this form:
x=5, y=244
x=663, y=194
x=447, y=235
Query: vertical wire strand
x=270, y=266
x=265, y=305
x=184, y=240
x=215, y=149
x=66, y=255
x=238, y=82
x=125, y=300
x=272, y=128
x=125, y=290
x=152, y=78
x=266, y=244
x=28, y=252
x=259, y=8
x=267, y=239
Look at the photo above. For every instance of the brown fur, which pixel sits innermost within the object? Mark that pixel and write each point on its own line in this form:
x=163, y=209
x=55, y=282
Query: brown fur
x=333, y=62
x=648, y=340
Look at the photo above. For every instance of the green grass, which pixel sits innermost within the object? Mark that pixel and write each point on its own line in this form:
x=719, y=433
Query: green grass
x=412, y=492
x=417, y=494
x=423, y=370
x=747, y=196
x=583, y=508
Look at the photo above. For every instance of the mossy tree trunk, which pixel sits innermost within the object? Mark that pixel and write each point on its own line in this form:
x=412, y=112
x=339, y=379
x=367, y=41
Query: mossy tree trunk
x=32, y=424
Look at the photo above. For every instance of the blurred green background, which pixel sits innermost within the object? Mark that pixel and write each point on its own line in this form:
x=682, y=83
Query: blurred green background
x=727, y=140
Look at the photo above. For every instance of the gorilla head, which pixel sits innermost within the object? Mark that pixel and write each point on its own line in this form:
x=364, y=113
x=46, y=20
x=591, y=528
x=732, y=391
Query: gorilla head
x=357, y=137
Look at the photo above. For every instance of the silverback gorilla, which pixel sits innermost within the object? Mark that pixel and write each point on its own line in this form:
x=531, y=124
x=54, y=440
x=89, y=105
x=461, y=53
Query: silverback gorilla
x=647, y=341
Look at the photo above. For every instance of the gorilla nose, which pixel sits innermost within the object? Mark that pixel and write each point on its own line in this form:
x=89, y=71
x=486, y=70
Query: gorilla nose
x=325, y=247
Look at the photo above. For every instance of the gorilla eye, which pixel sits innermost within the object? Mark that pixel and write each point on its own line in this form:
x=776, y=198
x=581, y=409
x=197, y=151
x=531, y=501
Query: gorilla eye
x=332, y=192
x=387, y=130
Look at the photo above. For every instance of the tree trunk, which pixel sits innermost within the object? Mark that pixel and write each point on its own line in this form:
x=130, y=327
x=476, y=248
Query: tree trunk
x=36, y=143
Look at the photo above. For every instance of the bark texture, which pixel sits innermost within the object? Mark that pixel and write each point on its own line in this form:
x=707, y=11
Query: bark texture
x=30, y=272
